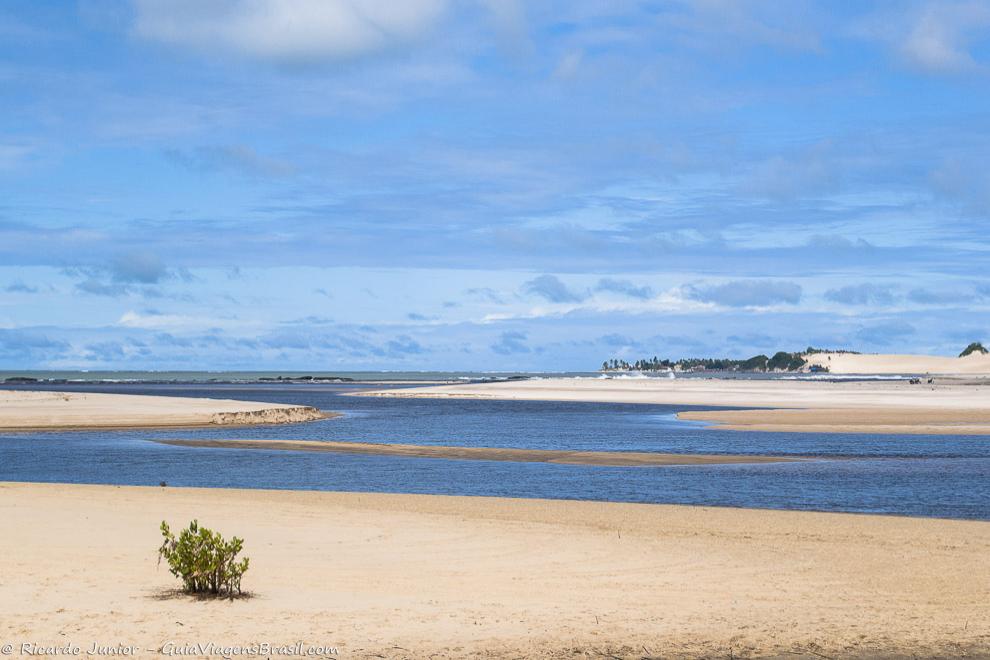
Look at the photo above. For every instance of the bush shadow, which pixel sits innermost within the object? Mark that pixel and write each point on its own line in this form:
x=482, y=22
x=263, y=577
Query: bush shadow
x=182, y=594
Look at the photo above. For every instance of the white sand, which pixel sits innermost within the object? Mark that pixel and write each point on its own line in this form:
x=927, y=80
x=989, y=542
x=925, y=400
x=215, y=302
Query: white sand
x=402, y=576
x=721, y=392
x=847, y=363
x=77, y=410
x=784, y=405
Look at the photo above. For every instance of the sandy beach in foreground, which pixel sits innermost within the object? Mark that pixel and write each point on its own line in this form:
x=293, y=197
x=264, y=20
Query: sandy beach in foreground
x=945, y=407
x=403, y=576
x=28, y=410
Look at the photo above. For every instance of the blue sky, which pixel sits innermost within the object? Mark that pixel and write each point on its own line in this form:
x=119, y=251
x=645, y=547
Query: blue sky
x=360, y=184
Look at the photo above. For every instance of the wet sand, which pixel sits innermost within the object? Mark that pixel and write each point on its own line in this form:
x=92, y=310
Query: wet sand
x=599, y=458
x=406, y=576
x=910, y=421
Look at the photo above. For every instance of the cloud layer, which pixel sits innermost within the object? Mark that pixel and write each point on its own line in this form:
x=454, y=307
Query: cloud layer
x=746, y=293
x=489, y=185
x=294, y=31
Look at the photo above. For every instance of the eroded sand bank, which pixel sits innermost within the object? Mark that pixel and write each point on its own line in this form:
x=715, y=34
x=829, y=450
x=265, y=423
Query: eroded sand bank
x=945, y=407
x=600, y=458
x=410, y=576
x=20, y=410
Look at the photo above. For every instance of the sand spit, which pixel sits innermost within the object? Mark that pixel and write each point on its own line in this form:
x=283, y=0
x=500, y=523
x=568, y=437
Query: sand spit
x=406, y=576
x=53, y=411
x=944, y=407
x=599, y=458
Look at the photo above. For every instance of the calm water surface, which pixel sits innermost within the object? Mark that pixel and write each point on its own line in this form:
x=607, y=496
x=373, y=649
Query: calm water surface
x=941, y=476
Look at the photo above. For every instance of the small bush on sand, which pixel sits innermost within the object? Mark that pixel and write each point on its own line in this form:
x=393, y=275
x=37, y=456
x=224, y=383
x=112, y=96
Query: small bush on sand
x=204, y=561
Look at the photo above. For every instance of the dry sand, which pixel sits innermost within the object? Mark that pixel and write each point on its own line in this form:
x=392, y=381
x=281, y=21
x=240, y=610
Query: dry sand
x=599, y=458
x=21, y=410
x=948, y=406
x=849, y=363
x=402, y=576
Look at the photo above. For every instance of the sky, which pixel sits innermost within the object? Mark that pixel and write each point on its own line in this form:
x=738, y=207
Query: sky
x=488, y=185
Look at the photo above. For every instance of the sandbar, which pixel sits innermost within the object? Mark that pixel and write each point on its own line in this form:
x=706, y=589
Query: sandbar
x=598, y=458
x=944, y=407
x=407, y=576
x=41, y=411
x=908, y=421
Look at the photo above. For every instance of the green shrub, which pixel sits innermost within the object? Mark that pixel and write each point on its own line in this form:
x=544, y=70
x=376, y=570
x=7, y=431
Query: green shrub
x=204, y=561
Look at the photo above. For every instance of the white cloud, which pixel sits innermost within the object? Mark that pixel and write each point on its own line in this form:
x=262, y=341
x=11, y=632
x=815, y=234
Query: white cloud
x=159, y=321
x=938, y=39
x=287, y=30
x=935, y=38
x=672, y=301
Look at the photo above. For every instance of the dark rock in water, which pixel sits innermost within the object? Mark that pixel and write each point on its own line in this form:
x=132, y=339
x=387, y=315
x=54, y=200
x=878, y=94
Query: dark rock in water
x=20, y=379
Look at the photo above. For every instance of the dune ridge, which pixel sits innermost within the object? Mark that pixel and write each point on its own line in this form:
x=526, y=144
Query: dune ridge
x=889, y=363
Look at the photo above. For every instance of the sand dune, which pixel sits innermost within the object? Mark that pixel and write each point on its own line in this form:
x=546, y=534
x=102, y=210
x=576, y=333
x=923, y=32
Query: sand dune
x=20, y=410
x=848, y=363
x=780, y=405
x=403, y=576
x=600, y=458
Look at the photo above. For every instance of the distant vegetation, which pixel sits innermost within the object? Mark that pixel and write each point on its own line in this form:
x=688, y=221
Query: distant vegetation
x=811, y=350
x=975, y=347
x=779, y=361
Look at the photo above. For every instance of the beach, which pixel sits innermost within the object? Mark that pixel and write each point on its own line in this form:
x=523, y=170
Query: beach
x=947, y=406
x=376, y=575
x=404, y=576
x=25, y=410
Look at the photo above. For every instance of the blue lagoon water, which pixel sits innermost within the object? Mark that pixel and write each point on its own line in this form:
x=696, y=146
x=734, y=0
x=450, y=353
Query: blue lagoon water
x=940, y=476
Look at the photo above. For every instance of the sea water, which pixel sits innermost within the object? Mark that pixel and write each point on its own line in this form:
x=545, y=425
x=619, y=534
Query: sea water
x=916, y=475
